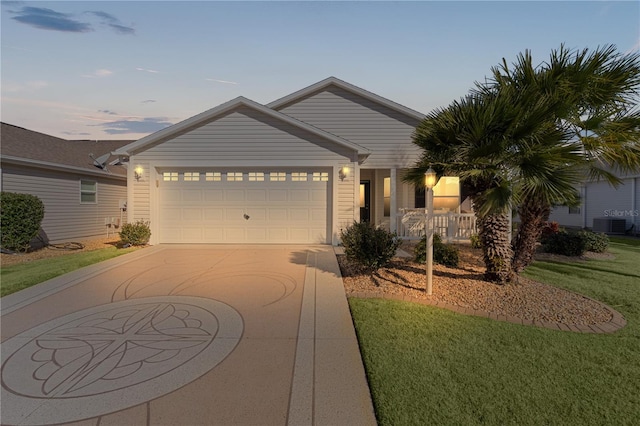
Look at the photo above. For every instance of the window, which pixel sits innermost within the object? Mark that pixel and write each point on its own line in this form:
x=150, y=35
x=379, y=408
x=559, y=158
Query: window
x=234, y=176
x=191, y=176
x=170, y=176
x=277, y=176
x=213, y=177
x=574, y=210
x=88, y=192
x=299, y=176
x=320, y=176
x=387, y=197
x=420, y=200
x=256, y=177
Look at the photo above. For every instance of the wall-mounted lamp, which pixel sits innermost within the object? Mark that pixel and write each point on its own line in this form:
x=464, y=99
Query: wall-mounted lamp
x=138, y=172
x=343, y=173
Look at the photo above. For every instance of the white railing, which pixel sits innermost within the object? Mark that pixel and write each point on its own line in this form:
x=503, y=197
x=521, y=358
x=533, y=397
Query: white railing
x=450, y=226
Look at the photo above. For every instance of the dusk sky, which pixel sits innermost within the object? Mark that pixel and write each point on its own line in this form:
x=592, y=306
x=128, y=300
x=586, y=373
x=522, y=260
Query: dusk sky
x=124, y=69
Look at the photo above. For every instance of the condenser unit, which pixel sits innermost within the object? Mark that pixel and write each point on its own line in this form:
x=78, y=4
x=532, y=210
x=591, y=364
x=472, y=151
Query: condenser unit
x=609, y=225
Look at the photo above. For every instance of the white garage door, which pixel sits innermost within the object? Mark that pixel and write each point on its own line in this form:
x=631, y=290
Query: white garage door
x=243, y=207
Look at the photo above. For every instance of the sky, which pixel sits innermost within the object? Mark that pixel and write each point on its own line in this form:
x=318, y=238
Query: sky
x=125, y=69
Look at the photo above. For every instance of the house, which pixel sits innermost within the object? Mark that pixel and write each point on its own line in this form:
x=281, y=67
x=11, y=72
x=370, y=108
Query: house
x=297, y=170
x=83, y=194
x=604, y=208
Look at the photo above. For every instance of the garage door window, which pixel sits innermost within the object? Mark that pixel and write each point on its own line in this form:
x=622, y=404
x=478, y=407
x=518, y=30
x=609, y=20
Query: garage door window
x=320, y=176
x=299, y=177
x=170, y=176
x=277, y=176
x=191, y=176
x=213, y=177
x=234, y=176
x=256, y=177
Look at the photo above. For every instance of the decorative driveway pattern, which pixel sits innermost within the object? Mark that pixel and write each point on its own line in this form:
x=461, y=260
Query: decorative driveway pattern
x=113, y=356
x=186, y=334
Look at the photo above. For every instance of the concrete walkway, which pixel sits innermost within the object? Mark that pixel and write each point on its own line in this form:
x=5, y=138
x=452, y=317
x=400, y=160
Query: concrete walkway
x=186, y=335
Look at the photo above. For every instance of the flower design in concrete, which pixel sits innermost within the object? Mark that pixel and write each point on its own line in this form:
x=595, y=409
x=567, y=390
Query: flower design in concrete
x=113, y=356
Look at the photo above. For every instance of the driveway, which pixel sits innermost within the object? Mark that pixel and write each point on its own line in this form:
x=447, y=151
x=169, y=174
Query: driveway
x=186, y=335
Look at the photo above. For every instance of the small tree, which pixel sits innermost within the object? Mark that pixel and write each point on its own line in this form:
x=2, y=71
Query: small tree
x=21, y=216
x=368, y=246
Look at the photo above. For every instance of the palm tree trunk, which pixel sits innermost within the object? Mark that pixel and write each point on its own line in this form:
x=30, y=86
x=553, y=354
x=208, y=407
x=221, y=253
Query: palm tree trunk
x=496, y=248
x=533, y=215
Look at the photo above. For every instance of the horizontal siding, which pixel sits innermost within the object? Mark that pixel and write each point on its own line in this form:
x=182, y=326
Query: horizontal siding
x=141, y=191
x=386, y=132
x=561, y=215
x=247, y=135
x=345, y=199
x=603, y=200
x=65, y=218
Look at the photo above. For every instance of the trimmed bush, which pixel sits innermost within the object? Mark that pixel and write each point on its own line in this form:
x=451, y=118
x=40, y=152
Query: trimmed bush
x=21, y=216
x=444, y=254
x=595, y=242
x=136, y=234
x=476, y=242
x=370, y=247
x=565, y=243
x=550, y=228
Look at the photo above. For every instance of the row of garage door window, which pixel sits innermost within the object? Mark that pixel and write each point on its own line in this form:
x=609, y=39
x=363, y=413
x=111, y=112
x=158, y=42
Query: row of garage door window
x=251, y=176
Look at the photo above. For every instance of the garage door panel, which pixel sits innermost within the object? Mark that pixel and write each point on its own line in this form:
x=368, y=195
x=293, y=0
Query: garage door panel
x=283, y=211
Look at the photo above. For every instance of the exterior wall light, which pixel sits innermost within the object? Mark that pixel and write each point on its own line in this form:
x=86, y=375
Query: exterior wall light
x=343, y=173
x=138, y=172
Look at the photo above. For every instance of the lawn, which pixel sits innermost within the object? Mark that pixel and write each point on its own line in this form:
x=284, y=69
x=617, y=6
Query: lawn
x=17, y=277
x=428, y=365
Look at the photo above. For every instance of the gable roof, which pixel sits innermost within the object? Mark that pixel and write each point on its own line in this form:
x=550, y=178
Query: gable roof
x=27, y=147
x=207, y=116
x=333, y=81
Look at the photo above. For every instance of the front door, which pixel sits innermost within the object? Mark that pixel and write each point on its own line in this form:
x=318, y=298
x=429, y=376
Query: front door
x=365, y=201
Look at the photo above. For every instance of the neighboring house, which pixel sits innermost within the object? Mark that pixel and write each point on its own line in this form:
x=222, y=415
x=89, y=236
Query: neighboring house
x=297, y=170
x=80, y=199
x=603, y=202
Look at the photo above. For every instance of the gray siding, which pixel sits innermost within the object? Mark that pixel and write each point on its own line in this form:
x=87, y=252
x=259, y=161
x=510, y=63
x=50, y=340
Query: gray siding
x=603, y=200
x=65, y=218
x=245, y=135
x=386, y=132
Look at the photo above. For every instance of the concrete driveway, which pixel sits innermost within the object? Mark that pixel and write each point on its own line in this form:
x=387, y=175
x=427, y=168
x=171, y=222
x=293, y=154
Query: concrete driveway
x=186, y=335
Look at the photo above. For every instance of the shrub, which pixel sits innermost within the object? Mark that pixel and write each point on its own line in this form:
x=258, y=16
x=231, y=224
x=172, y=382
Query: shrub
x=550, y=228
x=565, y=243
x=596, y=242
x=368, y=246
x=476, y=242
x=443, y=254
x=136, y=234
x=21, y=216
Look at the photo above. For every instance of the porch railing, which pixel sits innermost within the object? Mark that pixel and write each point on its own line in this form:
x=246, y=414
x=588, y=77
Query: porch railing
x=450, y=226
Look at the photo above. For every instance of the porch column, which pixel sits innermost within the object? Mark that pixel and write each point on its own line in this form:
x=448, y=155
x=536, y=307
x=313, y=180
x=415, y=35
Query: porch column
x=393, y=201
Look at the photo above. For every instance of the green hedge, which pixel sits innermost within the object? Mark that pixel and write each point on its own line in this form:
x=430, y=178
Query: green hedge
x=444, y=254
x=21, y=216
x=135, y=234
x=368, y=246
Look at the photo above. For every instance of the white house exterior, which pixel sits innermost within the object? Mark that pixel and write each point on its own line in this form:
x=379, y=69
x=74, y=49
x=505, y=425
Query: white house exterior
x=600, y=200
x=297, y=170
x=81, y=201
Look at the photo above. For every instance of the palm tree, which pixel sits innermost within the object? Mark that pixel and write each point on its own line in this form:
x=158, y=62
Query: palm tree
x=477, y=138
x=596, y=97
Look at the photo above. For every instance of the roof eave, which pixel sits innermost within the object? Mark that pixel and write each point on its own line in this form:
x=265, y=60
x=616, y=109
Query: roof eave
x=58, y=167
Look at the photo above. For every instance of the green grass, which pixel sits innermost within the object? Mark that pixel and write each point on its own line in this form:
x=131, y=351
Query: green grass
x=17, y=277
x=431, y=366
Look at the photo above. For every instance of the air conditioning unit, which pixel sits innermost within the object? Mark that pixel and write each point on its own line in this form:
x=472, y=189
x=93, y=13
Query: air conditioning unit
x=609, y=225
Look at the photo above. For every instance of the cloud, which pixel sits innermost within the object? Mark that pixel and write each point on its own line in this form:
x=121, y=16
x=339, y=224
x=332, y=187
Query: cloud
x=98, y=73
x=29, y=86
x=47, y=19
x=146, y=125
x=221, y=81
x=107, y=111
x=144, y=69
x=112, y=22
x=149, y=101
x=74, y=133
